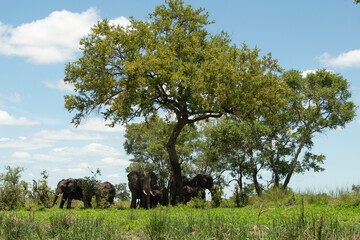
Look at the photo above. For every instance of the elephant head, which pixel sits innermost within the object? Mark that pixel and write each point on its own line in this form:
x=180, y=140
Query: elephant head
x=141, y=184
x=204, y=181
x=105, y=190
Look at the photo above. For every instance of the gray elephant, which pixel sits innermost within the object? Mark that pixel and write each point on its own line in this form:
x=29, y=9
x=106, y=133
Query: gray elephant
x=192, y=192
x=141, y=184
x=106, y=191
x=204, y=181
x=201, y=180
x=70, y=189
x=160, y=196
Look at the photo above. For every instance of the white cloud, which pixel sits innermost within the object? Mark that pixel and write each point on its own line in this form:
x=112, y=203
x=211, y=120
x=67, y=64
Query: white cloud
x=59, y=85
x=67, y=135
x=347, y=59
x=21, y=157
x=14, y=98
x=76, y=170
x=113, y=162
x=306, y=72
x=24, y=144
x=123, y=21
x=8, y=120
x=99, y=125
x=53, y=39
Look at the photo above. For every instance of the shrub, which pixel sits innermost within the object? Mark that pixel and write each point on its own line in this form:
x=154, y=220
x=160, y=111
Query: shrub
x=88, y=187
x=41, y=192
x=13, y=192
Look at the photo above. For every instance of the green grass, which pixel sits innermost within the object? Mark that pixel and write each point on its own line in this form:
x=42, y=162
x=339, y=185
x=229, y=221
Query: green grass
x=275, y=216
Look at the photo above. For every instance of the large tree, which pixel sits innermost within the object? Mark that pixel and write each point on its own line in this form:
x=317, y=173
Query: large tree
x=169, y=63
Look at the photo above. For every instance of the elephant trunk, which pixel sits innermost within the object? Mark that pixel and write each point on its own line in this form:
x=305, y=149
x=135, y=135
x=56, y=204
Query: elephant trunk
x=57, y=194
x=55, y=199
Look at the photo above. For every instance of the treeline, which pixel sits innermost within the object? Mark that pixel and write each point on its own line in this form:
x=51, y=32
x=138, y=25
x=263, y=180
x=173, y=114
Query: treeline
x=278, y=143
x=16, y=193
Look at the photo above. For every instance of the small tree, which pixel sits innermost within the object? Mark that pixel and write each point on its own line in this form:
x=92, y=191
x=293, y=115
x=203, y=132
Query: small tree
x=13, y=192
x=41, y=191
x=122, y=193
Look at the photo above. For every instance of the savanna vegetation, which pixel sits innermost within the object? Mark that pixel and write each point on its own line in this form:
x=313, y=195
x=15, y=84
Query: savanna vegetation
x=209, y=106
x=277, y=214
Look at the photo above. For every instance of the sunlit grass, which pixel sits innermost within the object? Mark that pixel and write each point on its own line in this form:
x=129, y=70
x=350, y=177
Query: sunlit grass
x=277, y=215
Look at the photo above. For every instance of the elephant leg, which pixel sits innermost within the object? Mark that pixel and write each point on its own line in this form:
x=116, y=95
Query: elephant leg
x=63, y=199
x=133, y=201
x=69, y=202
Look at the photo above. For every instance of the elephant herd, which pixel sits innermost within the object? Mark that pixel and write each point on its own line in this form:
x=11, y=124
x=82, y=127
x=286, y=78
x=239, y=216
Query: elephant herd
x=143, y=187
x=72, y=188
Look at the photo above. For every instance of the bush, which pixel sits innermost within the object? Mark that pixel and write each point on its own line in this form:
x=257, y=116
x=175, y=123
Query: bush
x=87, y=185
x=41, y=192
x=13, y=192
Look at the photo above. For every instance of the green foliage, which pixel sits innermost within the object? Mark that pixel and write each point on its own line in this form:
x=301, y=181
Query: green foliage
x=121, y=192
x=171, y=64
x=41, y=192
x=280, y=143
x=273, y=219
x=147, y=143
x=216, y=196
x=13, y=192
x=87, y=185
x=197, y=202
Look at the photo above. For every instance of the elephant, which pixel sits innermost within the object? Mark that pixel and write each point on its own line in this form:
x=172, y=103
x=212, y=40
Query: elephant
x=104, y=190
x=161, y=196
x=204, y=181
x=192, y=192
x=70, y=189
x=200, y=180
x=141, y=184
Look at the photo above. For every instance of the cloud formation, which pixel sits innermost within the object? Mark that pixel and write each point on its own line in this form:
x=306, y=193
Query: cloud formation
x=99, y=125
x=8, y=120
x=53, y=39
x=59, y=85
x=14, y=98
x=343, y=60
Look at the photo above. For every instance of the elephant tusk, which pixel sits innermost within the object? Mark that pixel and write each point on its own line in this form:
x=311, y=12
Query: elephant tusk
x=144, y=192
x=152, y=193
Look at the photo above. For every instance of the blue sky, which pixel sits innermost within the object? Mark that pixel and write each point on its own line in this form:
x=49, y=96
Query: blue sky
x=40, y=37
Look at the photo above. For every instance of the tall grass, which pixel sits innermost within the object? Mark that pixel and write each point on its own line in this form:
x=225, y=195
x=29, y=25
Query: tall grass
x=277, y=215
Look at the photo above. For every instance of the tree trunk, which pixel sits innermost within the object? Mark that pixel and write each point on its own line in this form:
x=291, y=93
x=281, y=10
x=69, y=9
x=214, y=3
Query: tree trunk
x=293, y=164
x=254, y=175
x=275, y=171
x=176, y=191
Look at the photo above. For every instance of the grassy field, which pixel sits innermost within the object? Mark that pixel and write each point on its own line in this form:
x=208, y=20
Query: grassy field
x=315, y=216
